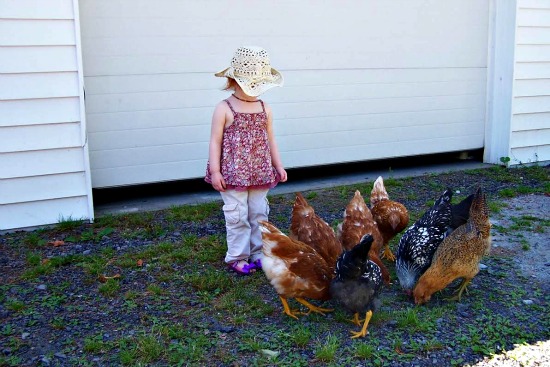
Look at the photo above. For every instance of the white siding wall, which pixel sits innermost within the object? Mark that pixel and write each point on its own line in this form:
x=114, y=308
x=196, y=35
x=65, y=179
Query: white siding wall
x=530, y=136
x=364, y=79
x=44, y=169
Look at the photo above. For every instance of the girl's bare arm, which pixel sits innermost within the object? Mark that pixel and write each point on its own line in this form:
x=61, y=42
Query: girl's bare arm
x=275, y=157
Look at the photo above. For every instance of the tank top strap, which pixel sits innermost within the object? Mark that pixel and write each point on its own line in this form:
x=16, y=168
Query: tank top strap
x=263, y=107
x=231, y=107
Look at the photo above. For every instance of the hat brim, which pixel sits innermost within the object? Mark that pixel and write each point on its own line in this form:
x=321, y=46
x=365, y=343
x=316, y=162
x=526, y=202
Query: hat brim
x=252, y=87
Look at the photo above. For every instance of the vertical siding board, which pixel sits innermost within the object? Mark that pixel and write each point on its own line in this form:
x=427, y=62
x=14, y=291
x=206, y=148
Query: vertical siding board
x=43, y=157
x=530, y=140
x=82, y=107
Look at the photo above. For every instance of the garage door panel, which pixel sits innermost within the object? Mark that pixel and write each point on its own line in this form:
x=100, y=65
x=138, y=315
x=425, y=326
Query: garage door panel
x=387, y=65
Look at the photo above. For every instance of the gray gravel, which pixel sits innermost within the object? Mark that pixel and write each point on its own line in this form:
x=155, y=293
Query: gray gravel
x=512, y=289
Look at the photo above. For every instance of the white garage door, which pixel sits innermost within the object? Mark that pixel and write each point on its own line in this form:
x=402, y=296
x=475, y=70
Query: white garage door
x=364, y=79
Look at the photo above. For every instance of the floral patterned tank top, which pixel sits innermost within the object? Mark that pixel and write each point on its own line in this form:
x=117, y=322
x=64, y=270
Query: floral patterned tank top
x=246, y=157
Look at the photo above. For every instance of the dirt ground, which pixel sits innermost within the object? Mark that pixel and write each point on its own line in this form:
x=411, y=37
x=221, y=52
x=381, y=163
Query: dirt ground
x=534, y=261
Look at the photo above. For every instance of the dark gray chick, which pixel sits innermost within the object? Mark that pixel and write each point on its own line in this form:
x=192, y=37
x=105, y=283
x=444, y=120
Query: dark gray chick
x=358, y=283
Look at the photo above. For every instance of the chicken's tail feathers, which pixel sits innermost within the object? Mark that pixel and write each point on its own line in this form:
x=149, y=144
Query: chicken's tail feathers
x=301, y=206
x=461, y=212
x=479, y=204
x=445, y=198
x=267, y=227
x=363, y=247
x=378, y=192
x=300, y=199
x=351, y=263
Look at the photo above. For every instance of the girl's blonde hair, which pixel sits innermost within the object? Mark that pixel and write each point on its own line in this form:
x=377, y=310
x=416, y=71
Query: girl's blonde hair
x=230, y=84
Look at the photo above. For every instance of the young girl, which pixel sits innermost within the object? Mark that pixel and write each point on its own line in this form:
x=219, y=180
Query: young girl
x=244, y=161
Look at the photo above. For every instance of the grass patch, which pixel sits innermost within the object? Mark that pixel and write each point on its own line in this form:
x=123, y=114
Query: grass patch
x=325, y=350
x=110, y=288
x=68, y=223
x=411, y=320
x=193, y=213
x=34, y=240
x=391, y=182
x=208, y=279
x=301, y=336
x=203, y=315
x=15, y=305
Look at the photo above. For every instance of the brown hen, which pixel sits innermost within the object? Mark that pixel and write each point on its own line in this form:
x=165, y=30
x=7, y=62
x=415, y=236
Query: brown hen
x=392, y=217
x=294, y=269
x=459, y=254
x=358, y=221
x=308, y=227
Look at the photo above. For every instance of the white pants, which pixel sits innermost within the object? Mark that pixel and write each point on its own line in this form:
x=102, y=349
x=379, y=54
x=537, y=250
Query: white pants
x=242, y=211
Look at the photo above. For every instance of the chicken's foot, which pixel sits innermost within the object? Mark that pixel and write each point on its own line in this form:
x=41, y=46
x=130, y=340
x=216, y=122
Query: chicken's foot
x=356, y=320
x=388, y=254
x=461, y=288
x=313, y=307
x=287, y=310
x=363, y=332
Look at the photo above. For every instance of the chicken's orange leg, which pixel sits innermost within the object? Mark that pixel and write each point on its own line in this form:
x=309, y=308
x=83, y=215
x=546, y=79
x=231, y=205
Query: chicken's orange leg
x=313, y=307
x=356, y=319
x=363, y=332
x=287, y=309
x=387, y=254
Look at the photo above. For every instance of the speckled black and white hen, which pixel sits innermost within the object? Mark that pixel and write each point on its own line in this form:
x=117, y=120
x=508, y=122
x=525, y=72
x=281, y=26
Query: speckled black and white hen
x=358, y=283
x=419, y=242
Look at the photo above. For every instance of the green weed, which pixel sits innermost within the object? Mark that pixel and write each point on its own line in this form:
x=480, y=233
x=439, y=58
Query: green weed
x=68, y=223
x=109, y=288
x=193, y=213
x=301, y=336
x=325, y=350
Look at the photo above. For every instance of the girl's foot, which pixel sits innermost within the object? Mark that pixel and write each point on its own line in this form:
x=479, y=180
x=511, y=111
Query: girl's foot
x=257, y=264
x=242, y=267
x=256, y=261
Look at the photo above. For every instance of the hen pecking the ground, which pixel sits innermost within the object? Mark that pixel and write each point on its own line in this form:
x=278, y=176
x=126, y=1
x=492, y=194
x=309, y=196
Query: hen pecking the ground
x=419, y=242
x=358, y=221
x=391, y=216
x=358, y=283
x=294, y=269
x=459, y=254
x=308, y=227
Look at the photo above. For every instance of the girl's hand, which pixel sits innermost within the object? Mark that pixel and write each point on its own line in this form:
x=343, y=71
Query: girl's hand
x=218, y=183
x=282, y=174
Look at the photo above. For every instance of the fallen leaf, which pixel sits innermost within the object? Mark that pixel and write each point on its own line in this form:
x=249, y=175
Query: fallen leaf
x=103, y=278
x=140, y=262
x=45, y=261
x=56, y=243
x=270, y=353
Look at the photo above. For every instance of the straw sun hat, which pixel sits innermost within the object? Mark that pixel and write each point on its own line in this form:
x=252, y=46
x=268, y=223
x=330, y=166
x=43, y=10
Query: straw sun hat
x=251, y=69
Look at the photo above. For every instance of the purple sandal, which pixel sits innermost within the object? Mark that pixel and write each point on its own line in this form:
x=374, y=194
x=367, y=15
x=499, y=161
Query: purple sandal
x=257, y=264
x=245, y=269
